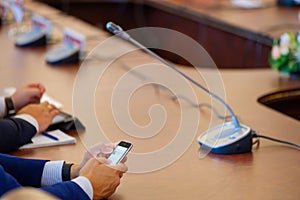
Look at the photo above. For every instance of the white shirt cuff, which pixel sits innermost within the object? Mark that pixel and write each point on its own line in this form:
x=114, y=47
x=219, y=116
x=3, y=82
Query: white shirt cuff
x=85, y=185
x=2, y=107
x=29, y=119
x=52, y=173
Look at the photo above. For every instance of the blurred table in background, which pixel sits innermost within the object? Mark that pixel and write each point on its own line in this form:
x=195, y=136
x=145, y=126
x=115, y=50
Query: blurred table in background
x=235, y=37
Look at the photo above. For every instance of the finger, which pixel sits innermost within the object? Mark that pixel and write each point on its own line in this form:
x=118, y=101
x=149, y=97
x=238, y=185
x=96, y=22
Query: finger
x=124, y=159
x=108, y=148
x=36, y=99
x=101, y=150
x=45, y=104
x=95, y=149
x=54, y=112
x=121, y=167
x=50, y=107
x=33, y=84
x=103, y=161
x=33, y=93
x=40, y=87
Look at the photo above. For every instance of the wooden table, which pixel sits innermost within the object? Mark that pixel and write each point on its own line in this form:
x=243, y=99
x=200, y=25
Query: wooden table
x=234, y=37
x=271, y=171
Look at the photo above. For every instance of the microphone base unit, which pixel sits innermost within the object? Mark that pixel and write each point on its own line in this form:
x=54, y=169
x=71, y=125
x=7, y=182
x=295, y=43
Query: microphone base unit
x=227, y=139
x=64, y=54
x=32, y=38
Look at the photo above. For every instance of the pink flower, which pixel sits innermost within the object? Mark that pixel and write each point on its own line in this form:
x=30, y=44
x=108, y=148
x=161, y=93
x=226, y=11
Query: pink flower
x=275, y=52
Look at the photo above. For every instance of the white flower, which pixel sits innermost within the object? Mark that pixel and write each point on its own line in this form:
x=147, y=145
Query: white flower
x=285, y=39
x=284, y=50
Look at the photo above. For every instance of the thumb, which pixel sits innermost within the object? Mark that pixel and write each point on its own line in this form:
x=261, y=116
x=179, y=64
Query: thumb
x=103, y=160
x=54, y=112
x=120, y=167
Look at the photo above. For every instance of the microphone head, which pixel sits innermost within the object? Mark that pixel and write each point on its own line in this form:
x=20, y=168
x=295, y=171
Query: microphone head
x=113, y=28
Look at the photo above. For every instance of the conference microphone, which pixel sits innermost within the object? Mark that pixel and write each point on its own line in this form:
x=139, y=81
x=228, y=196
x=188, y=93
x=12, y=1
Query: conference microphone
x=226, y=138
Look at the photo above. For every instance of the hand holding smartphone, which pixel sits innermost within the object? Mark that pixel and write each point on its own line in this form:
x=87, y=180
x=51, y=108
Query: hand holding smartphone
x=121, y=150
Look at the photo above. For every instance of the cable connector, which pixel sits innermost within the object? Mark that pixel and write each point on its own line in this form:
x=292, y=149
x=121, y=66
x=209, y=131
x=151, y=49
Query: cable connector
x=258, y=136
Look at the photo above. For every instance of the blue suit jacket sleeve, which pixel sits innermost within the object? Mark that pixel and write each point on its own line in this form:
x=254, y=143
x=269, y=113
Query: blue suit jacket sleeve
x=28, y=172
x=14, y=133
x=15, y=172
x=67, y=190
x=7, y=182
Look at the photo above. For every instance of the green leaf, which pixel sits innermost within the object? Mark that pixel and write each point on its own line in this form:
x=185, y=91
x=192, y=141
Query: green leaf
x=278, y=63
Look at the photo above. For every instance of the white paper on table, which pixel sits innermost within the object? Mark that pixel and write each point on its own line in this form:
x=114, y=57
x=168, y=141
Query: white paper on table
x=44, y=141
x=51, y=100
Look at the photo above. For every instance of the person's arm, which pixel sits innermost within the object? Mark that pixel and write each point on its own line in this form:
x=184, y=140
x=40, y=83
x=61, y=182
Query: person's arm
x=92, y=176
x=43, y=113
x=27, y=94
x=15, y=132
x=104, y=178
x=30, y=93
x=96, y=181
x=68, y=190
x=27, y=172
x=36, y=173
x=7, y=182
x=56, y=179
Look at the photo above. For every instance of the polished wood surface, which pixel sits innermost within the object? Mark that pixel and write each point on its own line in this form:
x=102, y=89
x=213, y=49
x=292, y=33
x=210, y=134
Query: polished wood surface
x=271, y=171
x=235, y=37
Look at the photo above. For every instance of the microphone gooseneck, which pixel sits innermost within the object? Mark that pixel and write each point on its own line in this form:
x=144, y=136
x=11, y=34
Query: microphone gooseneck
x=117, y=30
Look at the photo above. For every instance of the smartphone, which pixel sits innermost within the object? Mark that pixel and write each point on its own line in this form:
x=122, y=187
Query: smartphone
x=119, y=152
x=62, y=117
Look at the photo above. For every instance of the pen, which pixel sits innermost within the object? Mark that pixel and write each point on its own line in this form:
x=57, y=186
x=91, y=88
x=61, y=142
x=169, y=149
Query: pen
x=50, y=136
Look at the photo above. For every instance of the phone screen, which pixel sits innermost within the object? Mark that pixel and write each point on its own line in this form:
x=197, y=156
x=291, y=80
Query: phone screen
x=62, y=117
x=58, y=118
x=119, y=152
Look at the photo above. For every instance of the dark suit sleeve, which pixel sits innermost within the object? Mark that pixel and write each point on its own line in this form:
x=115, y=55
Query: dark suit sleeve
x=16, y=172
x=14, y=133
x=27, y=172
x=67, y=190
x=7, y=182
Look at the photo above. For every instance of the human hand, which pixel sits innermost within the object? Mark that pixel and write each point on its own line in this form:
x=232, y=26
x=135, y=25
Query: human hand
x=99, y=151
x=104, y=179
x=43, y=113
x=26, y=94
